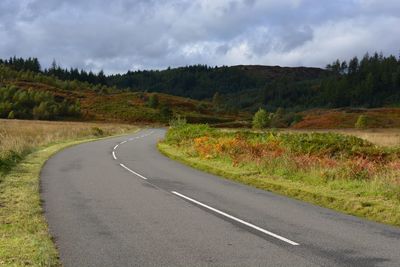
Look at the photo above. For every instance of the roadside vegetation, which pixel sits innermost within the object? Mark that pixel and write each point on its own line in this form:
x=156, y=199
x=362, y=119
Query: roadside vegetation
x=24, y=147
x=333, y=170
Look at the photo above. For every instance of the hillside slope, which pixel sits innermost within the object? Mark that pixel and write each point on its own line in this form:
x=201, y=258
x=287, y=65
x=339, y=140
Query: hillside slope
x=101, y=103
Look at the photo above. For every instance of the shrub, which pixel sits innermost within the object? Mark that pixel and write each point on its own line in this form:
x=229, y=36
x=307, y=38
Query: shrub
x=261, y=119
x=278, y=120
x=362, y=122
x=201, y=106
x=153, y=101
x=177, y=121
x=165, y=113
x=97, y=131
x=11, y=115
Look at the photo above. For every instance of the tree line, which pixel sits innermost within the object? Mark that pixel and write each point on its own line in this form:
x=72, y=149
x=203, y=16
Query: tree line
x=371, y=81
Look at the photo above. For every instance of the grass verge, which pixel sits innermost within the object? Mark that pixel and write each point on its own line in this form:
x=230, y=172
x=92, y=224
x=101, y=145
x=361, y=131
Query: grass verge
x=24, y=235
x=374, y=199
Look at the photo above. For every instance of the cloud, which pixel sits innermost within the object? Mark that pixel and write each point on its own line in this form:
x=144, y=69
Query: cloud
x=124, y=34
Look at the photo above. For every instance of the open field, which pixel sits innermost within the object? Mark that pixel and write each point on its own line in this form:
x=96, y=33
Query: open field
x=344, y=118
x=386, y=137
x=338, y=171
x=24, y=148
x=20, y=137
x=389, y=137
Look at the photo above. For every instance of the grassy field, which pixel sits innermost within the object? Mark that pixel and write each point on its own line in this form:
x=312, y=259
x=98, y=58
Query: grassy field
x=345, y=118
x=24, y=147
x=389, y=137
x=338, y=171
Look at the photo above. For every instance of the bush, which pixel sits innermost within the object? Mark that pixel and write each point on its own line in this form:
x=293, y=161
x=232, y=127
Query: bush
x=201, y=106
x=362, y=122
x=261, y=119
x=153, y=101
x=165, y=113
x=97, y=131
x=11, y=115
x=277, y=119
x=177, y=121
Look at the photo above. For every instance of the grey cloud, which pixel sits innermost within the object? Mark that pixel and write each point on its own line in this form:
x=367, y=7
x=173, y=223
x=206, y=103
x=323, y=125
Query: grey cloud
x=123, y=34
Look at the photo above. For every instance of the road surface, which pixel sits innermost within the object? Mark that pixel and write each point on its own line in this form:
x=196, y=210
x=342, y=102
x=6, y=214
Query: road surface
x=119, y=202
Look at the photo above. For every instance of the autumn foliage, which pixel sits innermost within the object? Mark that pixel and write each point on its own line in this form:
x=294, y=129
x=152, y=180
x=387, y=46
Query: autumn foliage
x=333, y=156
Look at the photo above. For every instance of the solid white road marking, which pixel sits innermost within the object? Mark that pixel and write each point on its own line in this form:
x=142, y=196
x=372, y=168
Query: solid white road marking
x=123, y=142
x=115, y=147
x=237, y=219
x=135, y=173
x=113, y=153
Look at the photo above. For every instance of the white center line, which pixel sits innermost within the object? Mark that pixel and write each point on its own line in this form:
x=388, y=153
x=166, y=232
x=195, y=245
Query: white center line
x=135, y=173
x=237, y=219
x=113, y=154
x=123, y=142
x=115, y=147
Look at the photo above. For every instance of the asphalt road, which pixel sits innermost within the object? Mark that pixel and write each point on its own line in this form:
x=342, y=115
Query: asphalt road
x=119, y=202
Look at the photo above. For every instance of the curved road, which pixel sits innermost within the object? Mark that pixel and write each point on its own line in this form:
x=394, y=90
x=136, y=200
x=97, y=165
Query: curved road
x=119, y=202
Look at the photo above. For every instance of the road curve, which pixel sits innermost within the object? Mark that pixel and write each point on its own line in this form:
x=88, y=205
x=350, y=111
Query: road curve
x=119, y=202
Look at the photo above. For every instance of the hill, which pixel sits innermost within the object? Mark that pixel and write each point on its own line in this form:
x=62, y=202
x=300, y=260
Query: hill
x=369, y=82
x=23, y=93
x=196, y=81
x=236, y=92
x=200, y=82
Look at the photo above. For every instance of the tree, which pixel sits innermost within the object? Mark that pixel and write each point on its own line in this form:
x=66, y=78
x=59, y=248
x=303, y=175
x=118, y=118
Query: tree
x=369, y=87
x=41, y=112
x=216, y=101
x=261, y=119
x=353, y=66
x=277, y=120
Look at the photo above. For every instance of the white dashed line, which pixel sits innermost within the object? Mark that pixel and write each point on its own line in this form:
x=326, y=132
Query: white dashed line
x=135, y=173
x=204, y=205
x=236, y=219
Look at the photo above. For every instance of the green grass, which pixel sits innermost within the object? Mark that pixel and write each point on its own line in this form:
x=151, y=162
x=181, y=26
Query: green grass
x=372, y=196
x=24, y=235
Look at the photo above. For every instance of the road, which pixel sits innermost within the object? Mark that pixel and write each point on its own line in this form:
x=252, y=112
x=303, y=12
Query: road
x=119, y=202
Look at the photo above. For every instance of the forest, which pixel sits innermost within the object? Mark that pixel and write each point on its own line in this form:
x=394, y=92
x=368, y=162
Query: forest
x=372, y=81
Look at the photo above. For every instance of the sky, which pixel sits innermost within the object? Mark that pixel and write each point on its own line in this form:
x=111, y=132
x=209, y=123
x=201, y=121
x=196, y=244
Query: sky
x=122, y=35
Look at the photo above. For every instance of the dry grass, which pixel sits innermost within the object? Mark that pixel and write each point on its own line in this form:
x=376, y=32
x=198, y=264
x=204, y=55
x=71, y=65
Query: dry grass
x=346, y=118
x=20, y=137
x=380, y=137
